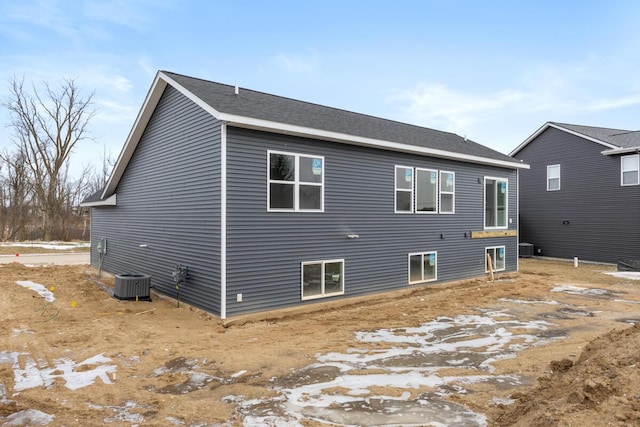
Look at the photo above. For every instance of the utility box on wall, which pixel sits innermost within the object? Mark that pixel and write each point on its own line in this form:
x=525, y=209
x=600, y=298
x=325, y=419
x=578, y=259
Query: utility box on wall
x=132, y=287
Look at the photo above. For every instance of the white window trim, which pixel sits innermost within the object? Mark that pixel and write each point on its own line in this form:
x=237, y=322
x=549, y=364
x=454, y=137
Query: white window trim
x=396, y=189
x=435, y=212
x=323, y=294
x=484, y=201
x=422, y=254
x=453, y=193
x=549, y=178
x=622, y=171
x=296, y=182
x=493, y=259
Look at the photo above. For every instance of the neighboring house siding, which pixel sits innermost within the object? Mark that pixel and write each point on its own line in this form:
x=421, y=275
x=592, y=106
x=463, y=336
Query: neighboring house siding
x=265, y=249
x=169, y=200
x=603, y=220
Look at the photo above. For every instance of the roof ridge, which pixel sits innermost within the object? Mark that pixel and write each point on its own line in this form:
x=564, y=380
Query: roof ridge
x=592, y=127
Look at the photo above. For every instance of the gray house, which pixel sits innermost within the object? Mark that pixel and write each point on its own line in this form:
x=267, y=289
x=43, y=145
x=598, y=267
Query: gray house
x=581, y=195
x=271, y=202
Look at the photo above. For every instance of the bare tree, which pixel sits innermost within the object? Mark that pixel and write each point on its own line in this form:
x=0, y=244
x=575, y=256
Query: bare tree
x=98, y=180
x=16, y=196
x=46, y=128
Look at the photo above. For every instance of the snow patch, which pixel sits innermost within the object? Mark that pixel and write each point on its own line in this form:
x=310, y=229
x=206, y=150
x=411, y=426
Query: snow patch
x=37, y=288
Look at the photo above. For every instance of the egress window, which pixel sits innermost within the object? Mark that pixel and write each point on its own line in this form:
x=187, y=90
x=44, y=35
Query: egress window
x=322, y=278
x=495, y=203
x=295, y=182
x=495, y=259
x=553, y=177
x=629, y=170
x=423, y=267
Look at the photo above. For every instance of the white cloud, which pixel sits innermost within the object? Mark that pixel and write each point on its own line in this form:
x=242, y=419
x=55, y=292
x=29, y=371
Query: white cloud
x=297, y=63
x=452, y=109
x=501, y=118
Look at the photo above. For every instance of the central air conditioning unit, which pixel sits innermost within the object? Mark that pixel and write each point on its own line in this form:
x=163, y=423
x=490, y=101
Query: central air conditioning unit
x=132, y=287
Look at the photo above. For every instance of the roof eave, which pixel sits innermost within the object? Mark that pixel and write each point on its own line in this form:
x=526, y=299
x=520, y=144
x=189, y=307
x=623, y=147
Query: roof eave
x=109, y=201
x=286, y=129
x=616, y=151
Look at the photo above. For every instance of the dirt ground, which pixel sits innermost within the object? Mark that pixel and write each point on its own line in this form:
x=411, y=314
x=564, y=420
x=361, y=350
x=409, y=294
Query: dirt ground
x=560, y=342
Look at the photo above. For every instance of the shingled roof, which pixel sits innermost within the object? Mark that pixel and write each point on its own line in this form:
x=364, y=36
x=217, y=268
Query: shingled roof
x=247, y=108
x=264, y=106
x=616, y=141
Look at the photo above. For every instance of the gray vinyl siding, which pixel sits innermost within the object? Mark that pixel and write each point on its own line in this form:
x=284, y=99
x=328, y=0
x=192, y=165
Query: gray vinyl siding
x=603, y=217
x=169, y=200
x=265, y=249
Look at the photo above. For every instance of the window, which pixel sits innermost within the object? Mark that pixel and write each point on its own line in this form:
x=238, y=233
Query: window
x=494, y=256
x=322, y=278
x=426, y=191
x=553, y=178
x=495, y=203
x=630, y=167
x=404, y=189
x=423, y=267
x=447, y=192
x=296, y=182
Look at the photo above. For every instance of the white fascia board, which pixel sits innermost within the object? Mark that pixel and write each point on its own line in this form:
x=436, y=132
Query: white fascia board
x=286, y=129
x=569, y=131
x=208, y=108
x=110, y=201
x=531, y=138
x=144, y=115
x=161, y=80
x=615, y=151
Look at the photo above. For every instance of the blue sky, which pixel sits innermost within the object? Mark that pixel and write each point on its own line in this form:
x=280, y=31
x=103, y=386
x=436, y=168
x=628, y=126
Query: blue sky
x=494, y=71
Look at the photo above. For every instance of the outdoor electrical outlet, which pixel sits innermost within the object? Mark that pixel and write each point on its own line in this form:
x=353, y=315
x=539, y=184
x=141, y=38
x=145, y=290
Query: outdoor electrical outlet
x=239, y=298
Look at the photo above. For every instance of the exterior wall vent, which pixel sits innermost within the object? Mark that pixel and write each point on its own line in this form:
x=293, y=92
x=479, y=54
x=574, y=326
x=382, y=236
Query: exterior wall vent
x=132, y=287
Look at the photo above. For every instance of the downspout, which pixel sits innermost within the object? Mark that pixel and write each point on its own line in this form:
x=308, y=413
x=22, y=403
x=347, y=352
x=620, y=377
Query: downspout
x=223, y=221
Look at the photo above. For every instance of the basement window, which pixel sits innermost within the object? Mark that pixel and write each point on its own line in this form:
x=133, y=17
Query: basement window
x=295, y=182
x=423, y=267
x=497, y=258
x=630, y=167
x=553, y=177
x=322, y=278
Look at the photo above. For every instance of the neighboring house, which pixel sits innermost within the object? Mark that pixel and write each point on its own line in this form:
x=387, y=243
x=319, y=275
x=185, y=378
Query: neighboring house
x=272, y=202
x=581, y=196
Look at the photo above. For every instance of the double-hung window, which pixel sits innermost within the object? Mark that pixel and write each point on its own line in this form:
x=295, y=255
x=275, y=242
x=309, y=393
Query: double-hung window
x=423, y=267
x=630, y=168
x=447, y=192
x=494, y=258
x=322, y=278
x=404, y=189
x=295, y=182
x=553, y=177
x=426, y=191
x=495, y=203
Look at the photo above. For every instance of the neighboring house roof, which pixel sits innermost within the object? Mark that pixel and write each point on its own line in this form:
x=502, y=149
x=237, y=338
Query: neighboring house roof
x=617, y=141
x=257, y=110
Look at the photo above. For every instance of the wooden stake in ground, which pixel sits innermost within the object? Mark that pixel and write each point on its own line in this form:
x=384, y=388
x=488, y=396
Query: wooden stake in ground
x=490, y=266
